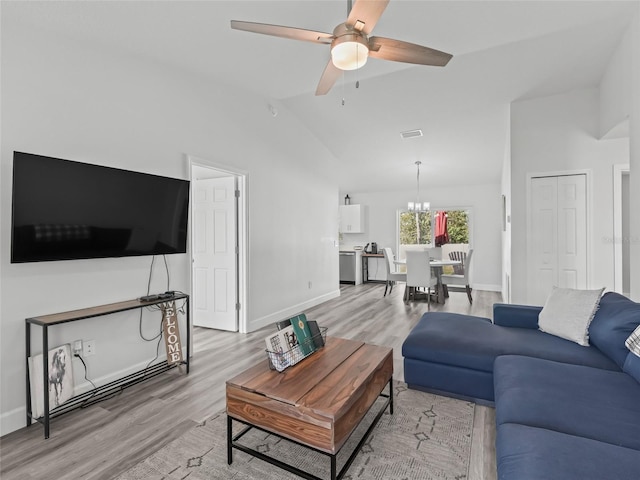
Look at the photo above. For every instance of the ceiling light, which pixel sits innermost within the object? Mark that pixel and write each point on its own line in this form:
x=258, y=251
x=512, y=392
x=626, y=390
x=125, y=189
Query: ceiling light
x=411, y=133
x=349, y=51
x=418, y=206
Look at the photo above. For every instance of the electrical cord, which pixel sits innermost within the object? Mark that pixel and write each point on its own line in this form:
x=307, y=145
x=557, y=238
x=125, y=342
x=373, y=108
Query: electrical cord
x=95, y=389
x=77, y=355
x=158, y=307
x=157, y=352
x=153, y=259
x=166, y=267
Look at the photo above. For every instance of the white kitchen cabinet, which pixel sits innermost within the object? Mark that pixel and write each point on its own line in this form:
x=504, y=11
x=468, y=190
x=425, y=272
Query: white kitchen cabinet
x=351, y=219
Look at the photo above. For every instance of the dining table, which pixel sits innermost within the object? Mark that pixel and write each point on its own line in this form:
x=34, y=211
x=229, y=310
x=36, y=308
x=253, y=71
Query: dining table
x=436, y=264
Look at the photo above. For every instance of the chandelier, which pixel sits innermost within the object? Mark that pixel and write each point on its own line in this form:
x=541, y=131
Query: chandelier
x=418, y=206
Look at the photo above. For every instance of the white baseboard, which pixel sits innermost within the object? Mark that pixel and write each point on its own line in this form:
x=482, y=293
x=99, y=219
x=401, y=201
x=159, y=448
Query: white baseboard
x=291, y=311
x=487, y=287
x=13, y=420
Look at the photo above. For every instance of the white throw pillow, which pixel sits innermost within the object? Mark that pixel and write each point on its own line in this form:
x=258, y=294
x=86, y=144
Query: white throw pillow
x=567, y=313
x=633, y=342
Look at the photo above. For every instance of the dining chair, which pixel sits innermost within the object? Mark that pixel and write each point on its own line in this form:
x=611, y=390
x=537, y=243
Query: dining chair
x=460, y=257
x=419, y=273
x=392, y=274
x=460, y=279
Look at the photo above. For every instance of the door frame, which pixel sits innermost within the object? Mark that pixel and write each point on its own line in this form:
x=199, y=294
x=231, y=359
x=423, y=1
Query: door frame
x=618, y=171
x=589, y=211
x=241, y=233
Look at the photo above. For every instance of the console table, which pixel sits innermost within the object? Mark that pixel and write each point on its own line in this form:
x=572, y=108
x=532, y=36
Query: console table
x=99, y=393
x=365, y=266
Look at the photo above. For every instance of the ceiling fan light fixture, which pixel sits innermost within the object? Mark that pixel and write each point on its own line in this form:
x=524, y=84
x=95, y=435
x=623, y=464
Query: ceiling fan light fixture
x=349, y=52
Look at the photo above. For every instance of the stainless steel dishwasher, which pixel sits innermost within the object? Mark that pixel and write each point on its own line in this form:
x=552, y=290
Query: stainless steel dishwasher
x=347, y=267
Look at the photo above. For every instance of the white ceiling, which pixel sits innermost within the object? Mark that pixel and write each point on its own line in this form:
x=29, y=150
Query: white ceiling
x=503, y=51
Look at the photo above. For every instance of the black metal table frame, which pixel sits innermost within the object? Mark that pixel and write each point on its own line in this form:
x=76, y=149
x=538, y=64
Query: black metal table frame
x=102, y=392
x=232, y=442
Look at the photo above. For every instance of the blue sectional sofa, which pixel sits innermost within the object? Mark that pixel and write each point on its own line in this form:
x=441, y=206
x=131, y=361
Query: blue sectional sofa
x=563, y=411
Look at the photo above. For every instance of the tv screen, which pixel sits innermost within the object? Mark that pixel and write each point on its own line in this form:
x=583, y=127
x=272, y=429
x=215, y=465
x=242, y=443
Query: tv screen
x=65, y=210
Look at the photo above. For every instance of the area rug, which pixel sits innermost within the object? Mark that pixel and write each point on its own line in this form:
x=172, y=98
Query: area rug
x=427, y=437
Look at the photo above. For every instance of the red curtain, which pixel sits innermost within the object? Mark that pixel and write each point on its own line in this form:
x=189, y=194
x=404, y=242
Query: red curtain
x=442, y=235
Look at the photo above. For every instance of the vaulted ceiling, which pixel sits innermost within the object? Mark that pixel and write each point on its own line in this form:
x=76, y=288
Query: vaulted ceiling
x=502, y=51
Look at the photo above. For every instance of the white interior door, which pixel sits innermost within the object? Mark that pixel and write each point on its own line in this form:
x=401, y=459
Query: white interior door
x=572, y=231
x=543, y=266
x=558, y=235
x=214, y=253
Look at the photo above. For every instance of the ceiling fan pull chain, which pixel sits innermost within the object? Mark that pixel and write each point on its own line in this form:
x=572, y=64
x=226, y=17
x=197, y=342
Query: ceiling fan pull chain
x=357, y=73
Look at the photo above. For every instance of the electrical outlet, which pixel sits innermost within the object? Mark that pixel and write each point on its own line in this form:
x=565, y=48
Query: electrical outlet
x=89, y=348
x=77, y=347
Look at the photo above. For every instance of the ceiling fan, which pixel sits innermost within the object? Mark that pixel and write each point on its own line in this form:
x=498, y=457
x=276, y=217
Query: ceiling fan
x=351, y=44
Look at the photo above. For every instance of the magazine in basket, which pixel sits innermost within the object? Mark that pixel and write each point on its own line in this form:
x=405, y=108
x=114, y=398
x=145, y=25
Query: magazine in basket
x=283, y=348
x=295, y=339
x=60, y=379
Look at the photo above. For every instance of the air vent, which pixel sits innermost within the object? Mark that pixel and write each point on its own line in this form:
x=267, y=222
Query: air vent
x=411, y=133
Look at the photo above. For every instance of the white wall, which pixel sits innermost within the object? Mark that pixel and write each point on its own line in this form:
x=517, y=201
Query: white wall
x=620, y=114
x=483, y=201
x=557, y=134
x=81, y=102
x=616, y=89
x=634, y=162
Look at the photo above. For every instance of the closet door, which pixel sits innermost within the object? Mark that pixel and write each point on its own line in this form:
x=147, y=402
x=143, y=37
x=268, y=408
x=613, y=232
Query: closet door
x=557, y=237
x=572, y=231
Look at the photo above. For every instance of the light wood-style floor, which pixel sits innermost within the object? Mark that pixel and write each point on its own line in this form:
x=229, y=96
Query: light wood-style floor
x=105, y=439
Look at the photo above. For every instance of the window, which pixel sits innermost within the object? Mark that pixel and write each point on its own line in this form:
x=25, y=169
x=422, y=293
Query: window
x=415, y=228
x=418, y=229
x=458, y=226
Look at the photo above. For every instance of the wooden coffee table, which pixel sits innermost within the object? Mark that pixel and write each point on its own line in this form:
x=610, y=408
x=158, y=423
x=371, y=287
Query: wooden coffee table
x=317, y=403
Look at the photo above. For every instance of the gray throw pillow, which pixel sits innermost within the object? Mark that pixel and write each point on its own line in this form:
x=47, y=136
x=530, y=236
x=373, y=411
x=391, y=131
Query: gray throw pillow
x=567, y=313
x=633, y=342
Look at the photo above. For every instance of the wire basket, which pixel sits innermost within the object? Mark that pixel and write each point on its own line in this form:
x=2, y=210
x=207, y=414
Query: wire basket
x=288, y=352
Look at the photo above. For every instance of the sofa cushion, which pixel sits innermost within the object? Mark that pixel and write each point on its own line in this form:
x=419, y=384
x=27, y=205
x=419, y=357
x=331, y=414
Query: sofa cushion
x=474, y=342
x=460, y=382
x=589, y=402
x=530, y=453
x=518, y=316
x=616, y=318
x=568, y=312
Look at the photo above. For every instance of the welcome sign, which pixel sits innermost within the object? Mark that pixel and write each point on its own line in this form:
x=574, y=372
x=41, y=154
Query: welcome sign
x=171, y=333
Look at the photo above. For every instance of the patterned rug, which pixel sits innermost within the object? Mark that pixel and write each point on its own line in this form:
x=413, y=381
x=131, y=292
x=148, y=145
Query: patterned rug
x=427, y=437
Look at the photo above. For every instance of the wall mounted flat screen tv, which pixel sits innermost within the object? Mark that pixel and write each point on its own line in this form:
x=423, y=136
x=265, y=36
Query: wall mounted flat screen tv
x=66, y=210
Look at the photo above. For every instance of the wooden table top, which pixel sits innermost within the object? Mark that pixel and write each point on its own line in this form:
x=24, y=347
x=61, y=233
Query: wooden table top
x=328, y=391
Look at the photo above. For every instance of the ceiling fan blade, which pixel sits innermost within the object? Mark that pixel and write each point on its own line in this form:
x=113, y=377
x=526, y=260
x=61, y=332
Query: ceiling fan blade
x=399, y=51
x=292, y=33
x=365, y=14
x=329, y=77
